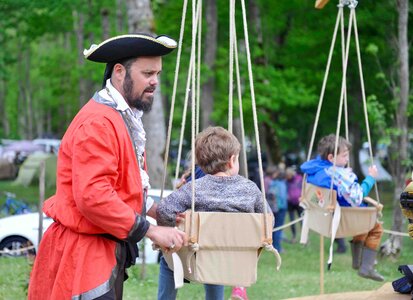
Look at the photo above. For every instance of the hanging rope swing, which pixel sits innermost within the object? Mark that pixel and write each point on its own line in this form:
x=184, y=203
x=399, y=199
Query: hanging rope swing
x=224, y=248
x=322, y=213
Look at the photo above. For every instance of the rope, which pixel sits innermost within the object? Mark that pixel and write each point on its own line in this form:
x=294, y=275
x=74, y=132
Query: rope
x=16, y=251
x=193, y=131
x=343, y=92
x=184, y=113
x=171, y=112
x=270, y=248
x=254, y=109
x=395, y=232
x=343, y=43
x=183, y=121
x=301, y=218
x=241, y=115
x=231, y=63
x=323, y=88
x=288, y=224
x=198, y=76
x=195, y=247
x=363, y=93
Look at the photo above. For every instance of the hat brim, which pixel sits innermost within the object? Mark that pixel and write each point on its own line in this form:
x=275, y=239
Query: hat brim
x=127, y=46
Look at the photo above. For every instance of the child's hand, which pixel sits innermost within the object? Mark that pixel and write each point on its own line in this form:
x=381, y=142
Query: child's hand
x=373, y=171
x=180, y=218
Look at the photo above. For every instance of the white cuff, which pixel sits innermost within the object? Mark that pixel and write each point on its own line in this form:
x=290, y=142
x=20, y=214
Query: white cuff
x=149, y=203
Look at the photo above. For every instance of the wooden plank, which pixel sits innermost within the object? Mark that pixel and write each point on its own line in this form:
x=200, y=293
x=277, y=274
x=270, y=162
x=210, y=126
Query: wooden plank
x=384, y=292
x=321, y=3
x=387, y=292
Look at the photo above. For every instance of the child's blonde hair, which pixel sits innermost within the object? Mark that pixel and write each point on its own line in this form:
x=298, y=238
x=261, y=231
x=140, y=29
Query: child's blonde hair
x=327, y=144
x=214, y=147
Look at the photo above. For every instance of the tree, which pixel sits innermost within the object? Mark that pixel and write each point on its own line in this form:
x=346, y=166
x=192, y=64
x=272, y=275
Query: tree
x=398, y=155
x=210, y=52
x=140, y=19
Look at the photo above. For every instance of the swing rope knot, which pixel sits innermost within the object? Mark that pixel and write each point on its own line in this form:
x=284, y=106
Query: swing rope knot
x=193, y=249
x=269, y=247
x=352, y=4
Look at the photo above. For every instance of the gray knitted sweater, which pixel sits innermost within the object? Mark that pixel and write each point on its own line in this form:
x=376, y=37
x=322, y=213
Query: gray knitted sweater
x=212, y=193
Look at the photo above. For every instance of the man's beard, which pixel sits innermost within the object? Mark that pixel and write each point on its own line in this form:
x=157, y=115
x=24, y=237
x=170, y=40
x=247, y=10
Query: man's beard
x=137, y=102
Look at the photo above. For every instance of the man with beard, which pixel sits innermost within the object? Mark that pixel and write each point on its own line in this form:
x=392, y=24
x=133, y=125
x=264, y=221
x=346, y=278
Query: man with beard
x=99, y=207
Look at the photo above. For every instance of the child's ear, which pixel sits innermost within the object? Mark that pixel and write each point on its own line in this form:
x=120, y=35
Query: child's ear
x=232, y=160
x=330, y=157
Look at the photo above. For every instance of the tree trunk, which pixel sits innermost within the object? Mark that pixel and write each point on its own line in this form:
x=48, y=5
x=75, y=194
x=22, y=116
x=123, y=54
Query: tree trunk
x=4, y=118
x=22, y=121
x=400, y=141
x=28, y=96
x=105, y=23
x=140, y=16
x=78, y=19
x=210, y=52
x=119, y=16
x=268, y=135
x=140, y=19
x=243, y=167
x=356, y=135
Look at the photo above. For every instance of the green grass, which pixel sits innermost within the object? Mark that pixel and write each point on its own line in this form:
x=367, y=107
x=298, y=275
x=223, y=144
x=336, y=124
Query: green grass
x=299, y=274
x=14, y=277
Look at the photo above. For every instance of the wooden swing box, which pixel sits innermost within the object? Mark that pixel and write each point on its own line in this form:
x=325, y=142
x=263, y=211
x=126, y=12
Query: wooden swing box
x=224, y=248
x=321, y=206
x=322, y=213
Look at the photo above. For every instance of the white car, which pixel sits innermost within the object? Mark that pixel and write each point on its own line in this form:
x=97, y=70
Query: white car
x=19, y=233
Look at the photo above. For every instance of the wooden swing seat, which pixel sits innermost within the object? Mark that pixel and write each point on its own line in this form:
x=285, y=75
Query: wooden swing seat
x=224, y=247
x=320, y=204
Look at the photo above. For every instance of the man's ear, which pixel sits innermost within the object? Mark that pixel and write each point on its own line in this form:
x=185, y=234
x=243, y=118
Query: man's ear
x=118, y=72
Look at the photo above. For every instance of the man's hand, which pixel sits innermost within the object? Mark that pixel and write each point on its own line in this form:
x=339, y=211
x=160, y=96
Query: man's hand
x=167, y=238
x=373, y=172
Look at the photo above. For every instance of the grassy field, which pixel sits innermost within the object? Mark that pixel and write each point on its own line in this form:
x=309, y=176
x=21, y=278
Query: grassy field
x=299, y=274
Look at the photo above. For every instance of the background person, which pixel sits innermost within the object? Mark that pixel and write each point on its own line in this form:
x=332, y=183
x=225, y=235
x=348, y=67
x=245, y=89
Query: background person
x=294, y=186
x=277, y=198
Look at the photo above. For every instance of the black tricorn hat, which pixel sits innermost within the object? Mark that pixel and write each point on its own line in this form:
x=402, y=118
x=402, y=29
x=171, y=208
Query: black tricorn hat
x=119, y=48
x=130, y=45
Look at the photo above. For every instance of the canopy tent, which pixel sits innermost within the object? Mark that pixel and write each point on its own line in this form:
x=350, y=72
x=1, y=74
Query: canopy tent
x=365, y=162
x=7, y=169
x=30, y=169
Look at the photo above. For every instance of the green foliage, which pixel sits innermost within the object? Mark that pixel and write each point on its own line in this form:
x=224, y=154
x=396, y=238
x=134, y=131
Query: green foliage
x=289, y=57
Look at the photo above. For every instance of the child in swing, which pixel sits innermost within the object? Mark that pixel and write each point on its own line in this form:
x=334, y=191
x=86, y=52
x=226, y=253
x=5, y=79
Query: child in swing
x=221, y=190
x=349, y=193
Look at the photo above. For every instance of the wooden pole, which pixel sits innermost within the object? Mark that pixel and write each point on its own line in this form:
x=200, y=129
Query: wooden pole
x=42, y=176
x=321, y=265
x=320, y=3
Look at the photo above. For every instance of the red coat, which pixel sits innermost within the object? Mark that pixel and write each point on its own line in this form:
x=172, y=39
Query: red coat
x=98, y=191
